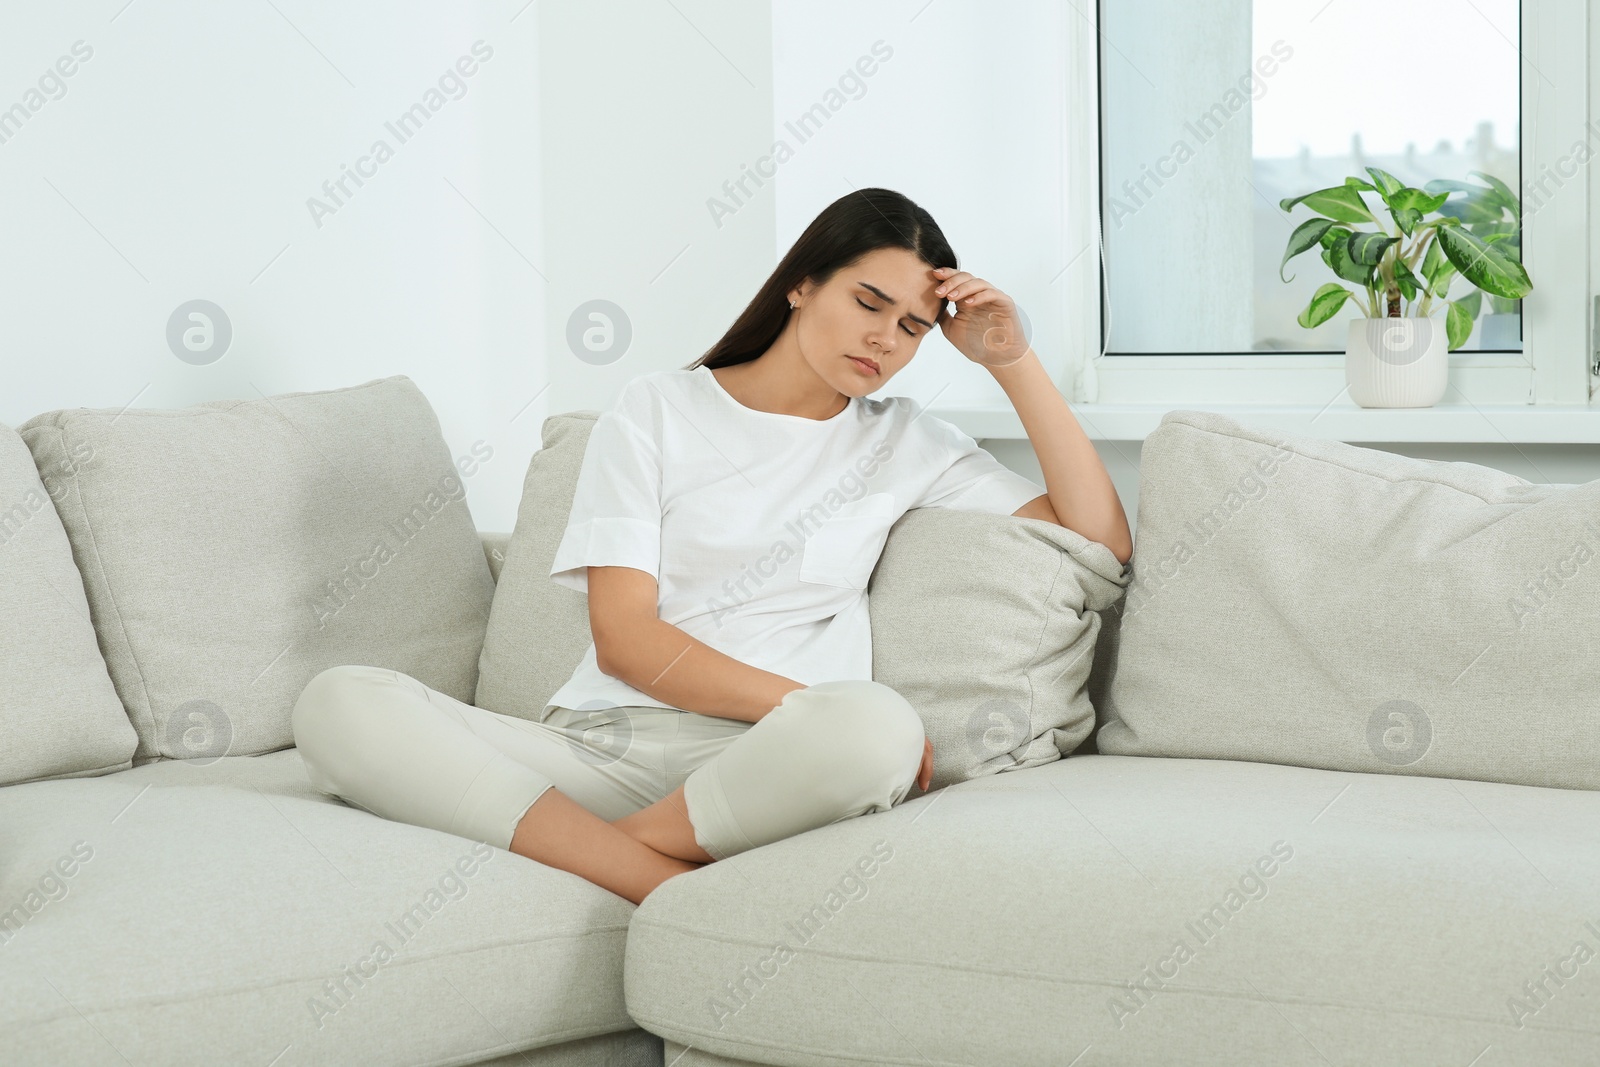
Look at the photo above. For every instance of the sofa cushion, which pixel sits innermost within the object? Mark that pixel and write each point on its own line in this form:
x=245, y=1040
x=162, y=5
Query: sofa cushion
x=234, y=549
x=1321, y=604
x=538, y=630
x=59, y=713
x=987, y=625
x=194, y=912
x=1151, y=911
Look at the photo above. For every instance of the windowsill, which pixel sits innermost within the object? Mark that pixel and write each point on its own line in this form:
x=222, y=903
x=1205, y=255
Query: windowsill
x=1341, y=421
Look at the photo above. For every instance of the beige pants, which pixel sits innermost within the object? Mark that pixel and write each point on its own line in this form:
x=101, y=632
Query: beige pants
x=384, y=742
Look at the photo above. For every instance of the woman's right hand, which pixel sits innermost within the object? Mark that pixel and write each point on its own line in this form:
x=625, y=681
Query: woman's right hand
x=925, y=771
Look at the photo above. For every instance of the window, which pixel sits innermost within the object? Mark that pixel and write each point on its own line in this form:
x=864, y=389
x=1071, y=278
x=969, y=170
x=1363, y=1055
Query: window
x=1205, y=117
x=1283, y=99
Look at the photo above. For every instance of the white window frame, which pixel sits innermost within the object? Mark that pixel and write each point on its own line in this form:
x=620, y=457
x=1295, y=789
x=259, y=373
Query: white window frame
x=1544, y=393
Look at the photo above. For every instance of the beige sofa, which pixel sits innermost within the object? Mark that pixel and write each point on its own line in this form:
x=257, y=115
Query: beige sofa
x=1247, y=871
x=172, y=889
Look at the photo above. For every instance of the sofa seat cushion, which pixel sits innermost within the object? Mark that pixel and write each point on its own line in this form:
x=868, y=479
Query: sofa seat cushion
x=195, y=912
x=1150, y=910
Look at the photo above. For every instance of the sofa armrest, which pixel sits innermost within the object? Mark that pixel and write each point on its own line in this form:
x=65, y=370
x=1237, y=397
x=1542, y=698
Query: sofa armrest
x=494, y=550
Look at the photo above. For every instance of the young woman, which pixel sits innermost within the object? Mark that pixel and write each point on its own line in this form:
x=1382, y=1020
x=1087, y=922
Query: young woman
x=726, y=519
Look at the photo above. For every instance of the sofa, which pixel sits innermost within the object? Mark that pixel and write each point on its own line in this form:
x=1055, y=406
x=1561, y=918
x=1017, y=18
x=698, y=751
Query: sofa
x=1294, y=787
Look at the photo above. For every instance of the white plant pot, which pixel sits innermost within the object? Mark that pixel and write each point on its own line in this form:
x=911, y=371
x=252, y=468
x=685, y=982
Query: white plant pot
x=1396, y=362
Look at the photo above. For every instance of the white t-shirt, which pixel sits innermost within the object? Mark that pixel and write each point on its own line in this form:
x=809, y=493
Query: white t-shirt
x=761, y=529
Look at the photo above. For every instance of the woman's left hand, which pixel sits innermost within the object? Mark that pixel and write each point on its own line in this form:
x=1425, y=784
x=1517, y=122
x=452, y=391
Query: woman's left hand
x=986, y=327
x=925, y=770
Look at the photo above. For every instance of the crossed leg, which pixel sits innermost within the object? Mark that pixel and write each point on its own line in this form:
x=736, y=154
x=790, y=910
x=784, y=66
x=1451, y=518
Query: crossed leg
x=385, y=742
x=665, y=827
x=828, y=752
x=559, y=832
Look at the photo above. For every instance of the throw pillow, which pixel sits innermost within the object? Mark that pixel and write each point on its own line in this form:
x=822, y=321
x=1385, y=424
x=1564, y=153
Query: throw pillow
x=987, y=624
x=538, y=631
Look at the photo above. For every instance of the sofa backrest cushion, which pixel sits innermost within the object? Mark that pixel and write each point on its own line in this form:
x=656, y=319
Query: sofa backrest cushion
x=1319, y=604
x=538, y=630
x=985, y=623
x=59, y=713
x=234, y=549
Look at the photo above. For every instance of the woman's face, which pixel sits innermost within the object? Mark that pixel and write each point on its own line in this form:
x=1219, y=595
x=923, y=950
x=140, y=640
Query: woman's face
x=877, y=309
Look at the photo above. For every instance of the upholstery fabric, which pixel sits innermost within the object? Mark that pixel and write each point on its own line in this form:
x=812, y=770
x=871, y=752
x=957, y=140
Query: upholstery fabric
x=232, y=550
x=59, y=713
x=1320, y=604
x=987, y=625
x=194, y=912
x=538, y=630
x=1132, y=910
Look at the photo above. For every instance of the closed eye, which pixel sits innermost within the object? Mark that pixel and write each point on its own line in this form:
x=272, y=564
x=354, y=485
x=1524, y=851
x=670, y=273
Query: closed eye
x=869, y=307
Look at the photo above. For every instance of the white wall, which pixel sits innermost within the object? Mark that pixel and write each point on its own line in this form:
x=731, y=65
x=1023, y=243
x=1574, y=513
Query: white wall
x=178, y=164
x=648, y=109
x=966, y=117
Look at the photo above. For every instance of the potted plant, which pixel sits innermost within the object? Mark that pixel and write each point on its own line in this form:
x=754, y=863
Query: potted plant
x=1494, y=214
x=1396, y=355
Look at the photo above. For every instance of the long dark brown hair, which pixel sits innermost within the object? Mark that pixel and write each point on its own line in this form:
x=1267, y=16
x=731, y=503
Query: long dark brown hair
x=847, y=229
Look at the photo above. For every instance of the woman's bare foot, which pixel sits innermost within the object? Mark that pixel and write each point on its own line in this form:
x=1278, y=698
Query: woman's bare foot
x=559, y=832
x=665, y=827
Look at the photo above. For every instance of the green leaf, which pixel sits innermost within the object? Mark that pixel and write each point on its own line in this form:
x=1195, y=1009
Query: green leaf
x=1306, y=235
x=1387, y=183
x=1432, y=258
x=1471, y=303
x=1368, y=248
x=1418, y=200
x=1486, y=204
x=1325, y=303
x=1357, y=183
x=1509, y=199
x=1437, y=269
x=1406, y=218
x=1408, y=282
x=1473, y=208
x=1408, y=205
x=1493, y=231
x=1452, y=185
x=1342, y=203
x=1457, y=324
x=1487, y=266
x=1337, y=257
x=1335, y=235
